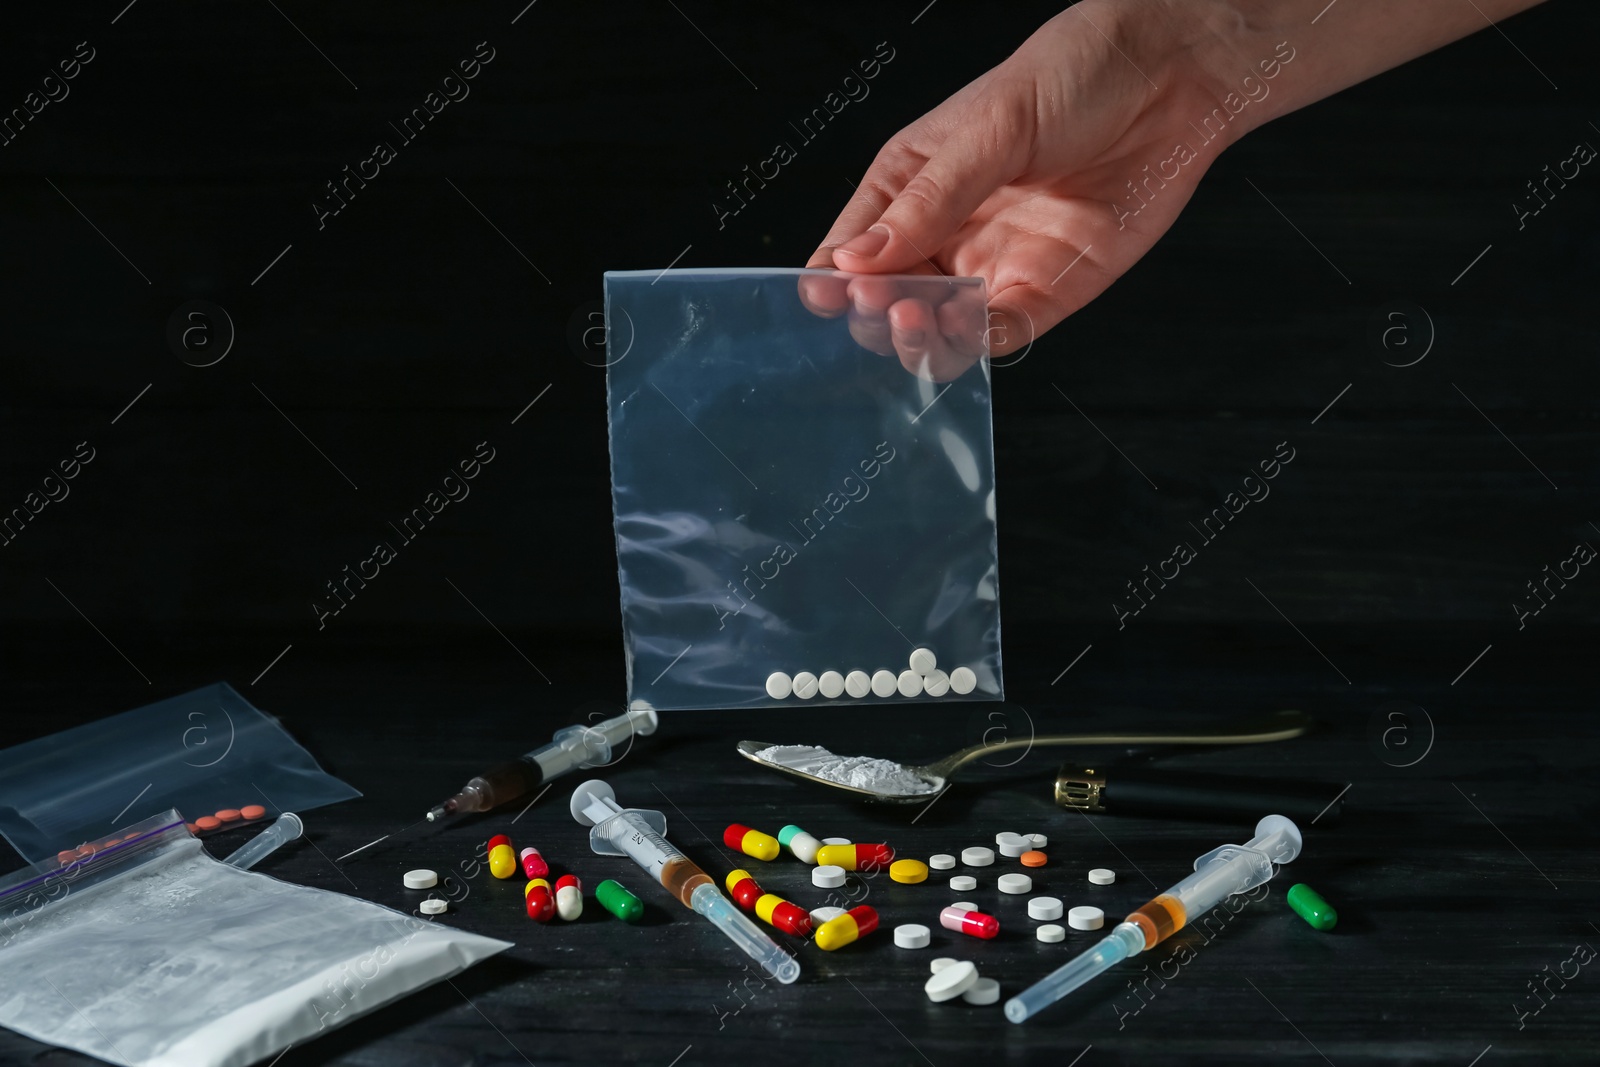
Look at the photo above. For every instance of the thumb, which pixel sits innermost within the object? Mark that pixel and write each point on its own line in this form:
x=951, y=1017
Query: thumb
x=980, y=156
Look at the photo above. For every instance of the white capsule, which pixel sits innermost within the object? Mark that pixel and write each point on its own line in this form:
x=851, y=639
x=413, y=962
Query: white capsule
x=883, y=683
x=983, y=991
x=941, y=861
x=1044, y=908
x=936, y=684
x=1102, y=876
x=911, y=935
x=963, y=681
x=822, y=915
x=434, y=906
x=778, y=685
x=857, y=684
x=941, y=963
x=1086, y=918
x=923, y=661
x=421, y=878
x=830, y=684
x=804, y=847
x=805, y=685
x=569, y=902
x=1050, y=933
x=964, y=905
x=828, y=876
x=963, y=883
x=1038, y=840
x=977, y=856
x=910, y=684
x=1015, y=884
x=951, y=982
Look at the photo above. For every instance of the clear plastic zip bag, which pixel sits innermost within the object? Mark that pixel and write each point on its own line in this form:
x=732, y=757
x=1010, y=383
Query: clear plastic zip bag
x=201, y=752
x=150, y=953
x=792, y=502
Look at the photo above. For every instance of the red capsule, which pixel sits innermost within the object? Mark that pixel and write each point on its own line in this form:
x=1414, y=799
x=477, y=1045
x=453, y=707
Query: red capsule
x=790, y=918
x=971, y=923
x=541, y=902
x=744, y=889
x=856, y=857
x=751, y=842
x=533, y=864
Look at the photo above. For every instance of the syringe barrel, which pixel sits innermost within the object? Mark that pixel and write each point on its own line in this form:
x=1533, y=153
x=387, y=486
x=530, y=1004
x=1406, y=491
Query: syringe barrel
x=747, y=935
x=1230, y=869
x=590, y=745
x=284, y=828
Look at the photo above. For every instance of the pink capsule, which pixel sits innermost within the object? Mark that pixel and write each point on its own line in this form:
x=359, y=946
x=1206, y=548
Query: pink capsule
x=971, y=923
x=533, y=864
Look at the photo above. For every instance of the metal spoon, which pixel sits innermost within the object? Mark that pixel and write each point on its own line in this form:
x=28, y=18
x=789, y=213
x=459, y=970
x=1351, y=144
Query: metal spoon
x=1274, y=726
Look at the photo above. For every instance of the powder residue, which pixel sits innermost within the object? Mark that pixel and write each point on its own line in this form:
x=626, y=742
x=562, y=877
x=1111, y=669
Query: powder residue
x=859, y=772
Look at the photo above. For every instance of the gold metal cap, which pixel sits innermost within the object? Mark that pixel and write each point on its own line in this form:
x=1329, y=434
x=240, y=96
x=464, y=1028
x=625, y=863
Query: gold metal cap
x=1080, y=787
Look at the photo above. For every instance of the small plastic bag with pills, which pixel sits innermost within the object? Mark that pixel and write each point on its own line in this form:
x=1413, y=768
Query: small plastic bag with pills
x=150, y=953
x=208, y=753
x=803, y=487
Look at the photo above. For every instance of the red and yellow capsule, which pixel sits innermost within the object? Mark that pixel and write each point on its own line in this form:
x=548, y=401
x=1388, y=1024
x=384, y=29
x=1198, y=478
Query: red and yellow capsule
x=541, y=902
x=751, y=842
x=790, y=918
x=854, y=924
x=856, y=857
x=744, y=889
x=502, y=857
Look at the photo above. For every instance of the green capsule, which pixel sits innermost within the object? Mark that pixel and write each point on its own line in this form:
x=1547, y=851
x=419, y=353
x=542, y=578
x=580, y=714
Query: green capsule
x=1309, y=905
x=618, y=901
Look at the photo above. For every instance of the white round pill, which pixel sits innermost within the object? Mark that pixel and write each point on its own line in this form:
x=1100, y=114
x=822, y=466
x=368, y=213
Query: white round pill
x=1086, y=918
x=884, y=683
x=1101, y=876
x=1016, y=884
x=911, y=935
x=827, y=876
x=1044, y=908
x=1050, y=933
x=420, y=879
x=941, y=861
x=963, y=883
x=837, y=841
x=778, y=685
x=830, y=684
x=1038, y=840
x=857, y=684
x=1015, y=847
x=941, y=963
x=977, y=856
x=923, y=661
x=936, y=684
x=822, y=915
x=964, y=905
x=434, y=906
x=1006, y=835
x=951, y=982
x=910, y=684
x=983, y=991
x=963, y=681
x=805, y=685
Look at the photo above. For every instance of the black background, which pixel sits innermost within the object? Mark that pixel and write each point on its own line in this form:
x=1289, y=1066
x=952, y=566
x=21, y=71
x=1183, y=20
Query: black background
x=412, y=327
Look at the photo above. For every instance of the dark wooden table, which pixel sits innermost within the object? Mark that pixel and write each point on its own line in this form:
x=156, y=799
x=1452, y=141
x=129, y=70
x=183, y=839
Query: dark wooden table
x=1463, y=869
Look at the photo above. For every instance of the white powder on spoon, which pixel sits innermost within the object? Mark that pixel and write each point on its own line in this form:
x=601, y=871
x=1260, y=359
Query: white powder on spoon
x=858, y=772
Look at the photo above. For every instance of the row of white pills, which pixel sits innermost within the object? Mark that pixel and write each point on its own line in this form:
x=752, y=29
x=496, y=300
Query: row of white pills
x=884, y=683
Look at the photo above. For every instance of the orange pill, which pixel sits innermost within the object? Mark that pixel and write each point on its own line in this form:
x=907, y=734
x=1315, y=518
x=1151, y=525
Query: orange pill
x=228, y=814
x=1034, y=859
x=208, y=822
x=190, y=827
x=66, y=856
x=252, y=811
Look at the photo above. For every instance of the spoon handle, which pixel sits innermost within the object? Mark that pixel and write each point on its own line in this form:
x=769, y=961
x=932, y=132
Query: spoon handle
x=1279, y=726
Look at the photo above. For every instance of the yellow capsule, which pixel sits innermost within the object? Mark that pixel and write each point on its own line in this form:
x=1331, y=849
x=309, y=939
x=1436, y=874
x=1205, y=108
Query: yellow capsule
x=908, y=871
x=750, y=842
x=765, y=905
x=853, y=924
x=502, y=858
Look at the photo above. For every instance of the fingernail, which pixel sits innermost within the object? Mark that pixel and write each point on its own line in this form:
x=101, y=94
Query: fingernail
x=867, y=244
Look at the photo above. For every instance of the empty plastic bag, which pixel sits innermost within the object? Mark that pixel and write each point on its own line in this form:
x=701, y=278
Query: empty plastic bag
x=150, y=953
x=790, y=500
